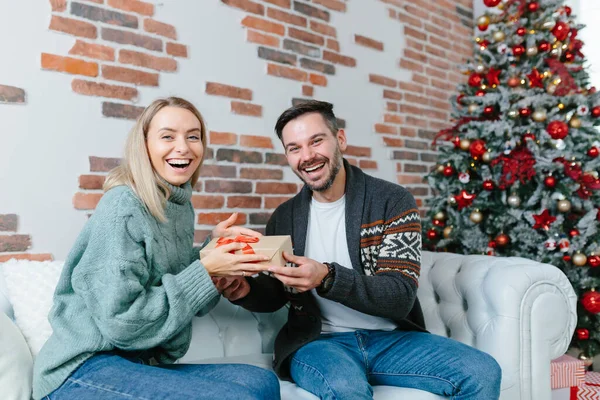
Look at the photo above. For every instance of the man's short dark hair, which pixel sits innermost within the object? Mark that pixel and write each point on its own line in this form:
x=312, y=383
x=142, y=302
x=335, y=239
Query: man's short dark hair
x=309, y=106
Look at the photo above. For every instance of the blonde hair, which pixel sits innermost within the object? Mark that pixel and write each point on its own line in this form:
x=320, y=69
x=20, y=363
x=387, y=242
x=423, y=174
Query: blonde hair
x=136, y=170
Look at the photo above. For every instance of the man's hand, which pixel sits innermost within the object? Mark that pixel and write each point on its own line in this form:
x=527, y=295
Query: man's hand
x=232, y=288
x=227, y=228
x=308, y=275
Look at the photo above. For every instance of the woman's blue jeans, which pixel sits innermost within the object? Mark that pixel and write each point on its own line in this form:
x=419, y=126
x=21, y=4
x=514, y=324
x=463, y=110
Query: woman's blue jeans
x=111, y=376
x=344, y=366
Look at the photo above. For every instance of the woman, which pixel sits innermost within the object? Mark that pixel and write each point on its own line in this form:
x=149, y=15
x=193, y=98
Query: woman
x=133, y=281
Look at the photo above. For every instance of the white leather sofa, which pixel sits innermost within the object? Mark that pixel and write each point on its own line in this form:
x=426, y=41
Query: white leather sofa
x=521, y=312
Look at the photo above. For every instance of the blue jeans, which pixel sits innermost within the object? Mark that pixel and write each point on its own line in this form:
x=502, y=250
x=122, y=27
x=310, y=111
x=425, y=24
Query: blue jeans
x=345, y=365
x=110, y=376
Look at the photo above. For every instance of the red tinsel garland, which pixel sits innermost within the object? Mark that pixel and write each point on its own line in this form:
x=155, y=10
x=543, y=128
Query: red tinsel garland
x=567, y=82
x=517, y=165
x=447, y=134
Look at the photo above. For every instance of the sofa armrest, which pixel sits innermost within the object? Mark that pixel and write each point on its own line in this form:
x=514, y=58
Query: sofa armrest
x=16, y=363
x=520, y=311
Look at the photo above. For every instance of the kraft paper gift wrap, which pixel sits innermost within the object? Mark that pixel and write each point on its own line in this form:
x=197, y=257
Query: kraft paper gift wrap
x=271, y=246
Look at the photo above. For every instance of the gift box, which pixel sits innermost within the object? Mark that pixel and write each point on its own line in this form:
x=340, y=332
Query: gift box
x=566, y=371
x=589, y=390
x=270, y=246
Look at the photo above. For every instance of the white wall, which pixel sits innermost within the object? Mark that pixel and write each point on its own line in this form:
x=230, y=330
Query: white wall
x=45, y=144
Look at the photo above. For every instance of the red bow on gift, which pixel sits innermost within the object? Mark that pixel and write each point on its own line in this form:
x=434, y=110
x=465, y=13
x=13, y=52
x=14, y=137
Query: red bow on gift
x=239, y=239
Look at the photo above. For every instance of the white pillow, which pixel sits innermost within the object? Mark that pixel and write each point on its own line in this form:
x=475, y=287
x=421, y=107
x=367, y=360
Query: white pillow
x=30, y=286
x=16, y=364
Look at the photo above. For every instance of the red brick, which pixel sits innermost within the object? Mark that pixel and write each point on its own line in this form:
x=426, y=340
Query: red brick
x=263, y=25
x=306, y=36
x=123, y=111
x=368, y=42
x=413, y=44
x=391, y=12
x=333, y=45
x=382, y=80
x=11, y=94
x=127, y=37
x=409, y=179
x=91, y=181
x=215, y=218
x=411, y=98
x=408, y=132
x=160, y=28
x=135, y=6
x=335, y=5
x=90, y=88
x=259, y=218
x=418, y=11
x=415, y=56
x=422, y=79
x=389, y=106
x=393, y=142
x=311, y=11
x=69, y=65
x=274, y=202
x=58, y=5
x=358, y=151
x=256, y=141
x=276, y=55
x=241, y=108
x=275, y=188
x=411, y=87
x=177, y=49
x=100, y=14
x=404, y=155
x=411, y=65
x=367, y=164
x=103, y=164
x=436, y=30
x=147, y=61
x=287, y=72
x=391, y=94
x=227, y=186
x=246, y=5
x=73, y=27
x=93, y=50
x=219, y=89
x=129, y=75
x=435, y=51
x=218, y=171
x=8, y=222
x=307, y=90
x=393, y=118
x=280, y=3
x=338, y=59
x=86, y=201
x=352, y=161
x=244, y=201
x=323, y=29
x=286, y=17
x=410, y=20
x=319, y=80
x=410, y=120
x=261, y=38
x=417, y=34
x=415, y=168
x=261, y=173
x=224, y=138
x=26, y=256
x=381, y=128
x=275, y=159
x=240, y=156
x=207, y=201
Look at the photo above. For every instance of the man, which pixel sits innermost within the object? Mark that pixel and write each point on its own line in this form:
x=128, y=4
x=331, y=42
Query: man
x=354, y=317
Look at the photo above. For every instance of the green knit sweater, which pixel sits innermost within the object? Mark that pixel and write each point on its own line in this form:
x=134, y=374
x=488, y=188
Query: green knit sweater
x=129, y=283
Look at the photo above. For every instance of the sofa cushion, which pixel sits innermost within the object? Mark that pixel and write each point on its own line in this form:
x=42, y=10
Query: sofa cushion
x=16, y=363
x=30, y=288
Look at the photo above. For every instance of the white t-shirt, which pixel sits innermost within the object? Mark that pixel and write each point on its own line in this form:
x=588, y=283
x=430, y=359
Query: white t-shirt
x=326, y=242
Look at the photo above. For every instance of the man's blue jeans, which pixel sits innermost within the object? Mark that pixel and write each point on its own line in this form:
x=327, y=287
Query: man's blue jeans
x=110, y=376
x=344, y=365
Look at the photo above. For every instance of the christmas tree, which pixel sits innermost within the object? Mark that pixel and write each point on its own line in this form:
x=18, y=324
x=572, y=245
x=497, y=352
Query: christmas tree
x=517, y=173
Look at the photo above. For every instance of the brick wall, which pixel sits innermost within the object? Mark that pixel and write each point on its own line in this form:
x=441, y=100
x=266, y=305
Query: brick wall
x=16, y=245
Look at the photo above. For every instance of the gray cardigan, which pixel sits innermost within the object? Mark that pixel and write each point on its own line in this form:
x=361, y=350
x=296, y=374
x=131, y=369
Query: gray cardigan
x=384, y=240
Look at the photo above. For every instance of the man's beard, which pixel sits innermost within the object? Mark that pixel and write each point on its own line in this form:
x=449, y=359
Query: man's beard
x=336, y=165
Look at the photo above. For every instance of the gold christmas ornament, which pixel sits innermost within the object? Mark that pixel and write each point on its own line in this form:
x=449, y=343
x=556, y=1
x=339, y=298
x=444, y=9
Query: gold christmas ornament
x=472, y=108
x=556, y=52
x=579, y=259
x=575, y=122
x=440, y=215
x=498, y=36
x=483, y=20
x=447, y=232
x=440, y=168
x=551, y=88
x=465, y=144
x=587, y=360
x=539, y=115
x=479, y=68
x=532, y=51
x=486, y=157
x=476, y=216
x=548, y=24
x=514, y=200
x=563, y=206
x=561, y=106
x=451, y=200
x=513, y=114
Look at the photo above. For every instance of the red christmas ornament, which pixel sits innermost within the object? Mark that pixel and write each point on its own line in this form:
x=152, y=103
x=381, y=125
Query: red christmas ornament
x=521, y=31
x=596, y=111
x=550, y=181
x=491, y=3
x=598, y=215
x=448, y=170
x=488, y=185
x=488, y=110
x=583, y=334
x=533, y=6
x=535, y=78
x=513, y=81
x=475, y=80
x=432, y=234
x=456, y=141
x=569, y=57
x=593, y=261
x=492, y=244
x=593, y=152
x=484, y=44
x=464, y=199
x=480, y=93
x=544, y=46
x=459, y=98
x=477, y=148
x=518, y=50
x=483, y=27
x=591, y=301
x=566, y=258
x=493, y=76
x=573, y=232
x=529, y=136
x=525, y=112
x=561, y=30
x=502, y=239
x=543, y=220
x=438, y=222
x=568, y=11
x=557, y=129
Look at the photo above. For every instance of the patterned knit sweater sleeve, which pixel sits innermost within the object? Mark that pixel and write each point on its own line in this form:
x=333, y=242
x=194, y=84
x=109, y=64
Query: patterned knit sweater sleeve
x=390, y=251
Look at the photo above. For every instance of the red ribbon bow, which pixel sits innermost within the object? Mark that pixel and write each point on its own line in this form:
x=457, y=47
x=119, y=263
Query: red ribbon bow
x=239, y=239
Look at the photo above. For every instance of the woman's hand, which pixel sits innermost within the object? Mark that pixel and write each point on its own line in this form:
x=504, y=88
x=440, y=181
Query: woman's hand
x=220, y=262
x=232, y=288
x=227, y=228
